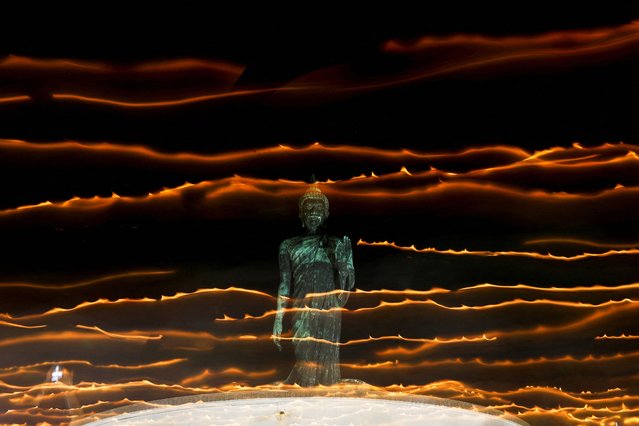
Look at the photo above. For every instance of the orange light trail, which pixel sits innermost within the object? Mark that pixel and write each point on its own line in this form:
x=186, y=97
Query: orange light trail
x=173, y=102
x=622, y=336
x=224, y=186
x=437, y=290
x=164, y=363
x=178, y=295
x=434, y=341
x=578, y=289
x=582, y=242
x=581, y=39
x=119, y=335
x=239, y=184
x=500, y=363
x=10, y=324
x=14, y=61
x=9, y=99
x=407, y=302
x=521, y=158
x=58, y=336
x=541, y=330
x=228, y=371
x=220, y=158
x=381, y=305
x=466, y=252
x=88, y=282
x=490, y=51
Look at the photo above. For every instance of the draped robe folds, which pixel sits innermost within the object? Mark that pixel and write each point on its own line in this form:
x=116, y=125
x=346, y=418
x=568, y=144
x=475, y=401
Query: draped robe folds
x=316, y=331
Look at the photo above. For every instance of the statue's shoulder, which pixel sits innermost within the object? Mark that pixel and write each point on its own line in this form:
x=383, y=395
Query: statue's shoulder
x=284, y=245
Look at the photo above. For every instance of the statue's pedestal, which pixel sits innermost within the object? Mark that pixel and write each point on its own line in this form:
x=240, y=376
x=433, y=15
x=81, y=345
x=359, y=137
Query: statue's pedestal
x=306, y=407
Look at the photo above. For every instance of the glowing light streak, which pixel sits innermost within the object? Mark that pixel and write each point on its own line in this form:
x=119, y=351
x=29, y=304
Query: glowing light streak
x=87, y=282
x=21, y=62
x=487, y=253
x=119, y=335
x=178, y=295
x=10, y=324
x=228, y=185
x=582, y=242
x=433, y=341
x=620, y=337
x=10, y=99
x=498, y=363
x=58, y=336
x=560, y=45
x=172, y=102
x=68, y=363
x=381, y=305
x=537, y=331
x=578, y=289
x=226, y=372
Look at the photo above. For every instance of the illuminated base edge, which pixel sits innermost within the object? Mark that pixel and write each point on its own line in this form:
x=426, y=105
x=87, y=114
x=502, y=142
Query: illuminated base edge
x=303, y=406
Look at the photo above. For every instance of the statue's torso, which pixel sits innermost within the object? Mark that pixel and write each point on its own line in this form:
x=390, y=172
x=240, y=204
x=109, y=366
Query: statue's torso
x=311, y=268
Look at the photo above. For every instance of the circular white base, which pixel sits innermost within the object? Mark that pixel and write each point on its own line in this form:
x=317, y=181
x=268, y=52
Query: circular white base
x=309, y=411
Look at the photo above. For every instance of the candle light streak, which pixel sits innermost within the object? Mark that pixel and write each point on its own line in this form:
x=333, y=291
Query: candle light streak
x=86, y=283
x=576, y=241
x=569, y=47
x=622, y=336
x=10, y=324
x=466, y=252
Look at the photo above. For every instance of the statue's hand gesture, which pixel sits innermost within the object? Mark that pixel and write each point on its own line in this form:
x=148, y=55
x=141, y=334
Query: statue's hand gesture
x=343, y=251
x=277, y=332
x=344, y=254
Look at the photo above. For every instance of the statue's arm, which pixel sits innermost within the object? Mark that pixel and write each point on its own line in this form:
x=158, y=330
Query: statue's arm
x=346, y=269
x=283, y=291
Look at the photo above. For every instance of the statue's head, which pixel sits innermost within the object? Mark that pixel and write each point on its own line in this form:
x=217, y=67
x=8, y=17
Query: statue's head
x=313, y=208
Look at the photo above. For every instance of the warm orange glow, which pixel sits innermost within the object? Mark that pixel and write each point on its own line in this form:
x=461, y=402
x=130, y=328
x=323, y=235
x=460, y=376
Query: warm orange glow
x=582, y=242
x=10, y=324
x=168, y=103
x=622, y=336
x=207, y=374
x=541, y=330
x=23, y=62
x=87, y=282
x=9, y=99
x=433, y=341
x=568, y=46
x=348, y=188
x=465, y=252
x=501, y=363
x=69, y=363
x=57, y=336
x=579, y=39
x=519, y=158
x=178, y=295
x=120, y=335
x=579, y=289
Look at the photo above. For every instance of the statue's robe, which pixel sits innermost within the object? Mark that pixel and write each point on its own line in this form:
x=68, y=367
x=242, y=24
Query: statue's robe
x=313, y=267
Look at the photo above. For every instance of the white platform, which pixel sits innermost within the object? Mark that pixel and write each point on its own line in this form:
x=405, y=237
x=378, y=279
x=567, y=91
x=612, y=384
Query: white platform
x=316, y=410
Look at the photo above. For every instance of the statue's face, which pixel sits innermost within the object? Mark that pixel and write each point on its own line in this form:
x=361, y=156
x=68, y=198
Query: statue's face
x=313, y=214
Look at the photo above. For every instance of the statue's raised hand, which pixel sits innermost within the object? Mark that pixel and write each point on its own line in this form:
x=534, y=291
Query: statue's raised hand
x=343, y=251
